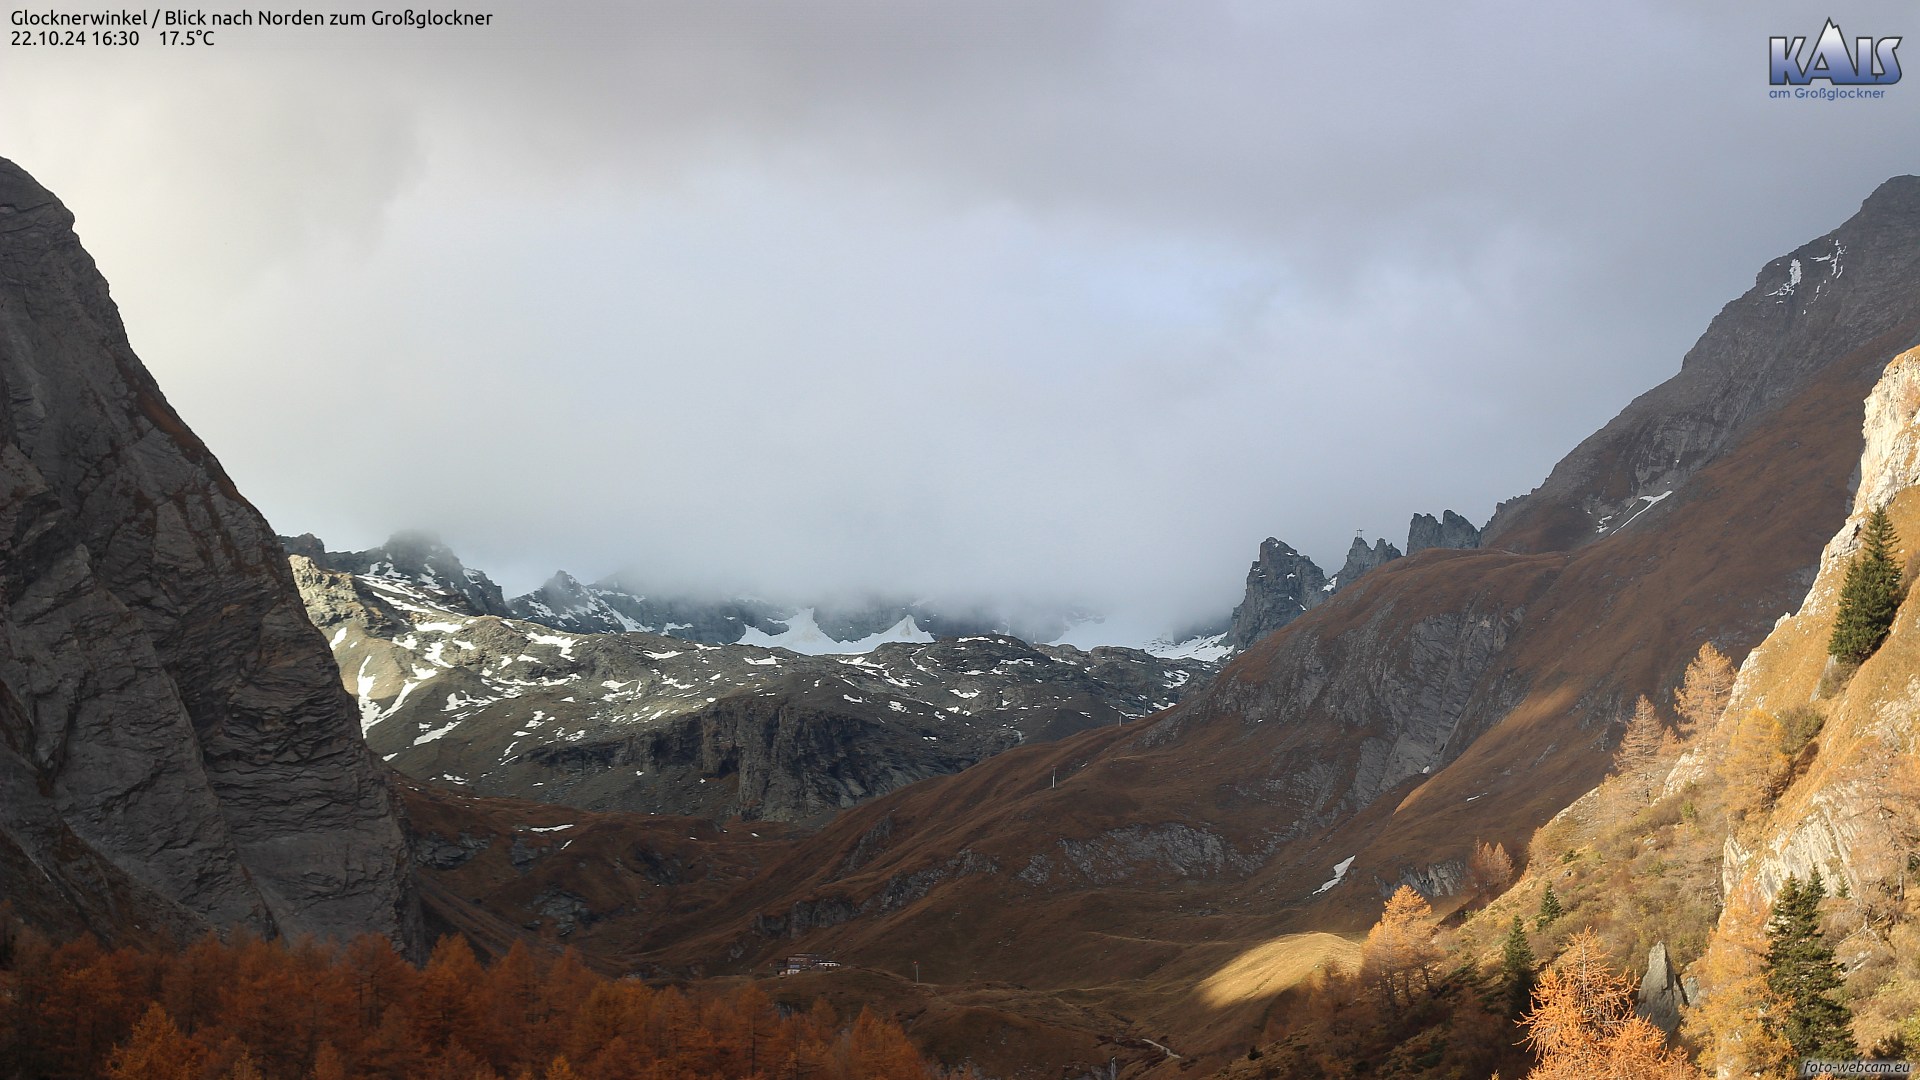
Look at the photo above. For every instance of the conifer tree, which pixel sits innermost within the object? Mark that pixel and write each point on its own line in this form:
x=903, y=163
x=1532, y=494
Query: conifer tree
x=1870, y=594
x=1636, y=760
x=1583, y=1025
x=1400, y=946
x=1737, y=1022
x=1550, y=909
x=883, y=1049
x=1704, y=690
x=156, y=1051
x=1802, y=974
x=1753, y=764
x=1517, y=967
x=1489, y=869
x=327, y=1064
x=63, y=1010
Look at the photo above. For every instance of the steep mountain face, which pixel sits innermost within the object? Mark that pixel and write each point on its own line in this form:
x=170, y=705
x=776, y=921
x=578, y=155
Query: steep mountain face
x=1282, y=585
x=1834, y=819
x=644, y=722
x=178, y=753
x=1808, y=310
x=1443, y=697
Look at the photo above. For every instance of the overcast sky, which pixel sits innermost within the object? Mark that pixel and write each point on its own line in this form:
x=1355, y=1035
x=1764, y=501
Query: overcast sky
x=1019, y=300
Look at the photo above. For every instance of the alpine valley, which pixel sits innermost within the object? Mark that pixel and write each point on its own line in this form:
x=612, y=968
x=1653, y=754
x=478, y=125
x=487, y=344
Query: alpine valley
x=1035, y=860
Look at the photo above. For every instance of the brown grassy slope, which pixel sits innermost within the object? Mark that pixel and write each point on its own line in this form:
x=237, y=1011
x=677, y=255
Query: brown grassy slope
x=1641, y=870
x=1731, y=555
x=631, y=883
x=605, y=883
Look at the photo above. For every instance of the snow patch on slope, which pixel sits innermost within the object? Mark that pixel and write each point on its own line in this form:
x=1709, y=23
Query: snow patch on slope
x=1339, y=874
x=803, y=635
x=1208, y=648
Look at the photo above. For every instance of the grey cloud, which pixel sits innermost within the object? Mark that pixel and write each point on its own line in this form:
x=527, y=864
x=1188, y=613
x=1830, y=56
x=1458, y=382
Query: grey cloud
x=1031, y=300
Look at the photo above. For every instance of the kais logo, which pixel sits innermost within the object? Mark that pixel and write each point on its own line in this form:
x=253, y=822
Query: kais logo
x=1869, y=62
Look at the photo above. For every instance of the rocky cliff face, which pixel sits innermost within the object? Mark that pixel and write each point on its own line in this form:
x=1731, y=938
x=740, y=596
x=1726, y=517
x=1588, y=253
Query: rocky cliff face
x=645, y=722
x=1282, y=585
x=1835, y=819
x=1451, y=531
x=1360, y=559
x=177, y=751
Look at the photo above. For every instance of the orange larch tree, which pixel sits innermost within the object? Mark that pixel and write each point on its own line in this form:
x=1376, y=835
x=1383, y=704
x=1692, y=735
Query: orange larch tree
x=270, y=1011
x=1583, y=1025
x=1489, y=869
x=157, y=1050
x=1399, y=951
x=1637, y=760
x=1754, y=763
x=1704, y=691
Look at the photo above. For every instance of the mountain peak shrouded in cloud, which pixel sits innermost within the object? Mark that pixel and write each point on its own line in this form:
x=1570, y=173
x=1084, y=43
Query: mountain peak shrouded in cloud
x=993, y=299
x=419, y=563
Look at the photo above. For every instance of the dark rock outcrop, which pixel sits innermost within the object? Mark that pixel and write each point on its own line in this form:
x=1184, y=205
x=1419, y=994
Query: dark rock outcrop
x=1360, y=559
x=1662, y=995
x=176, y=752
x=1282, y=585
x=1450, y=531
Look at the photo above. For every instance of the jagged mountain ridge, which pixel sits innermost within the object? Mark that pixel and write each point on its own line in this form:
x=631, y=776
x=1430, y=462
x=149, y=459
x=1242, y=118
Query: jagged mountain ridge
x=1444, y=697
x=640, y=721
x=1283, y=584
x=613, y=605
x=1451, y=532
x=176, y=754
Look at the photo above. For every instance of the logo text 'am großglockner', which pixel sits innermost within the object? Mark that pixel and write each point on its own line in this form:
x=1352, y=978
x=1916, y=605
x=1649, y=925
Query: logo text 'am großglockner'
x=1871, y=61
